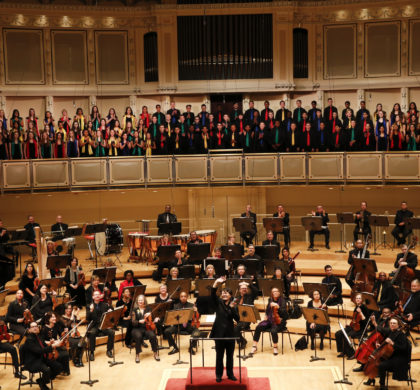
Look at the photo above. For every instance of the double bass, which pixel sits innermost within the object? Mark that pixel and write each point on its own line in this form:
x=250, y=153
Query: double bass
x=404, y=275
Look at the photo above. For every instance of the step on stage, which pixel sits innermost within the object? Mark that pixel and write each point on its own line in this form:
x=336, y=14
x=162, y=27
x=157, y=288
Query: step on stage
x=204, y=378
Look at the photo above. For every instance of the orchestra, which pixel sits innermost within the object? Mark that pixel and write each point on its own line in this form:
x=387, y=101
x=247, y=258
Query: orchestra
x=53, y=339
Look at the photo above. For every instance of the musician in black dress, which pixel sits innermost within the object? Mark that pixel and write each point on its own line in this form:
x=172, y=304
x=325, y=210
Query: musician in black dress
x=139, y=332
x=15, y=312
x=361, y=221
x=275, y=303
x=320, y=212
x=27, y=282
x=43, y=301
x=333, y=282
x=125, y=321
x=223, y=327
x=281, y=213
x=166, y=217
x=312, y=329
x=354, y=330
x=35, y=357
x=357, y=253
x=401, y=230
x=59, y=229
x=94, y=313
x=75, y=280
x=205, y=303
x=290, y=275
x=248, y=292
x=249, y=236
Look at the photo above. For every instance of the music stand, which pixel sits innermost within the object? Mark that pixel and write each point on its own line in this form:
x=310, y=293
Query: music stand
x=198, y=252
x=369, y=301
x=269, y=266
x=178, y=317
x=53, y=283
x=243, y=224
x=232, y=252
x=312, y=224
x=93, y=229
x=269, y=252
x=203, y=287
x=266, y=285
x=346, y=338
x=90, y=381
x=321, y=287
x=342, y=219
x=378, y=221
x=135, y=291
x=57, y=262
x=412, y=223
x=3, y=295
x=318, y=317
x=248, y=314
x=365, y=265
x=166, y=253
x=110, y=321
x=275, y=224
x=252, y=266
x=183, y=284
x=233, y=284
x=73, y=231
x=106, y=274
x=171, y=228
x=18, y=235
x=221, y=266
x=187, y=271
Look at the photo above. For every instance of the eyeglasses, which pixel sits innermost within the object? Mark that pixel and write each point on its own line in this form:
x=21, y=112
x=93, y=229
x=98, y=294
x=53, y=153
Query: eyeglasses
x=34, y=326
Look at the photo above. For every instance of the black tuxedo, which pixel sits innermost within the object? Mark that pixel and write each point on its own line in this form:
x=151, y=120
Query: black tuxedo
x=411, y=260
x=223, y=327
x=412, y=306
x=30, y=232
x=58, y=230
x=95, y=316
x=165, y=218
x=401, y=232
x=325, y=231
x=286, y=229
x=387, y=296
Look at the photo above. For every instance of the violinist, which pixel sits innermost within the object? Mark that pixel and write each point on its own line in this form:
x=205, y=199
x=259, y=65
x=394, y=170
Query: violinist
x=289, y=277
x=332, y=281
x=139, y=333
x=186, y=328
x=59, y=229
x=361, y=221
x=411, y=307
x=354, y=330
x=129, y=280
x=249, y=236
x=35, y=357
x=316, y=303
x=247, y=295
x=75, y=280
x=274, y=320
x=70, y=319
x=281, y=213
x=399, y=361
x=161, y=298
x=15, y=316
x=356, y=253
x=28, y=282
x=320, y=212
x=385, y=292
x=95, y=286
x=44, y=302
x=410, y=258
x=401, y=229
x=125, y=320
x=7, y=347
x=226, y=313
x=94, y=313
x=51, y=332
x=204, y=304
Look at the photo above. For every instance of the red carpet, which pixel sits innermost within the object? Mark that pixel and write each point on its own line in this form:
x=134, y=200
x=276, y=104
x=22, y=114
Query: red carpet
x=204, y=379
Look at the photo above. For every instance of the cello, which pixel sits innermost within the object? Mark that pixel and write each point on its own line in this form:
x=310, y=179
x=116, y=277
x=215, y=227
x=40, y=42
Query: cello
x=379, y=354
x=368, y=345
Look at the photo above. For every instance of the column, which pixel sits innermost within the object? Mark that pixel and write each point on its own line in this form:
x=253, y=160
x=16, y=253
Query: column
x=320, y=99
x=360, y=96
x=405, y=97
x=49, y=104
x=92, y=102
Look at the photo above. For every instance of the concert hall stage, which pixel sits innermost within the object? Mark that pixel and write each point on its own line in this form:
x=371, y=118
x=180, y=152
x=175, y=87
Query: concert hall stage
x=204, y=379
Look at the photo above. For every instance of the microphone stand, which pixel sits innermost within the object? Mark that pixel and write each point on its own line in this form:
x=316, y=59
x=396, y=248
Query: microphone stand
x=90, y=382
x=344, y=380
x=179, y=361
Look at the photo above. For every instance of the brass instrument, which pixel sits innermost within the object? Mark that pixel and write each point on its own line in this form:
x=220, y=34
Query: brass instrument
x=361, y=221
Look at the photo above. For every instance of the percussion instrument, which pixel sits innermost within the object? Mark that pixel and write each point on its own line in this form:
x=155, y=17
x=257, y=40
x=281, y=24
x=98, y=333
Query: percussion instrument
x=208, y=236
x=68, y=244
x=181, y=240
x=151, y=244
x=136, y=245
x=100, y=243
x=114, y=239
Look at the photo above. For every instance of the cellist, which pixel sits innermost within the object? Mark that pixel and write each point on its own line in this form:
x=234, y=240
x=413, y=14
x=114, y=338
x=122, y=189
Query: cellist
x=400, y=358
x=274, y=320
x=410, y=258
x=354, y=330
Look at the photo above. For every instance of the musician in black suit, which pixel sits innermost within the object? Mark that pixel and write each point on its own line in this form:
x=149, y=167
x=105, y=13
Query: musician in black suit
x=320, y=212
x=356, y=253
x=251, y=255
x=410, y=260
x=247, y=295
x=94, y=313
x=166, y=217
x=270, y=239
x=401, y=231
x=411, y=307
x=361, y=221
x=384, y=292
x=281, y=213
x=29, y=227
x=249, y=236
x=223, y=326
x=58, y=230
x=15, y=312
x=332, y=281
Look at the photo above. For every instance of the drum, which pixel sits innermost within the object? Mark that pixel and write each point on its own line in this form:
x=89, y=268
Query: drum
x=69, y=243
x=136, y=244
x=208, y=236
x=100, y=243
x=114, y=239
x=181, y=240
x=151, y=244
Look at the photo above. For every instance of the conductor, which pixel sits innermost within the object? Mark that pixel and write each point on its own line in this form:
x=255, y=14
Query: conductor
x=226, y=312
x=166, y=217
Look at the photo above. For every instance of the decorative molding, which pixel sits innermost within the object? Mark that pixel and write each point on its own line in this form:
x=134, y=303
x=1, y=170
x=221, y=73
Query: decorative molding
x=404, y=99
x=49, y=103
x=360, y=96
x=92, y=101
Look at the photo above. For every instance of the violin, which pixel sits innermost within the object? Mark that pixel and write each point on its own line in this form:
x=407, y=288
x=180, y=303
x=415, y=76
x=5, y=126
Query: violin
x=81, y=279
x=4, y=335
x=355, y=321
x=150, y=325
x=276, y=317
x=36, y=283
x=195, y=322
x=107, y=296
x=27, y=317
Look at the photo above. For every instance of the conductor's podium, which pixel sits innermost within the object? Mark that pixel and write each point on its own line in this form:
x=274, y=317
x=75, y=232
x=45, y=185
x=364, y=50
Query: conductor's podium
x=204, y=378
